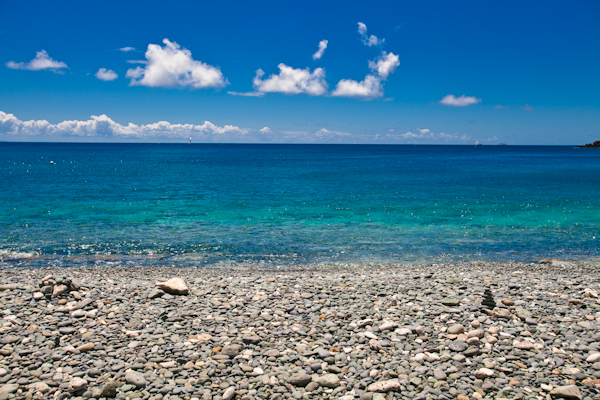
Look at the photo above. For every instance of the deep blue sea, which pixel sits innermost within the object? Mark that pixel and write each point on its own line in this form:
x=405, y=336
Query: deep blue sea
x=213, y=205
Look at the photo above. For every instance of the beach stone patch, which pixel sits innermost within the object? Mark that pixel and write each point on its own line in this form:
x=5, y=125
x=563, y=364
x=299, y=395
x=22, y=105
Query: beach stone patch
x=335, y=332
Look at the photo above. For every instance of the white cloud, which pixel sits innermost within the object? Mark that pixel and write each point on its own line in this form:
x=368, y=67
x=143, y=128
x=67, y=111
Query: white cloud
x=322, y=47
x=246, y=94
x=173, y=67
x=127, y=49
x=370, y=87
x=103, y=126
x=385, y=64
x=41, y=61
x=137, y=62
x=527, y=107
x=462, y=101
x=292, y=81
x=265, y=130
x=500, y=107
x=368, y=40
x=106, y=74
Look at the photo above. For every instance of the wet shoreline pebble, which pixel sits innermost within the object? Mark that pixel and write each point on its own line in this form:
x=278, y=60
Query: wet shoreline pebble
x=369, y=332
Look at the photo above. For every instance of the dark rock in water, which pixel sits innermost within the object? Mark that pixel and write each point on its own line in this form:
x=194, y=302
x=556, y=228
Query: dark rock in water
x=595, y=145
x=488, y=299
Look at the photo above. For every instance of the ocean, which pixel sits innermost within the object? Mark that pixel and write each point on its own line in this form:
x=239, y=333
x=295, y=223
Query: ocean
x=228, y=205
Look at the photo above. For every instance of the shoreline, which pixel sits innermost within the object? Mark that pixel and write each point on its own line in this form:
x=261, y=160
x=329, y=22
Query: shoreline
x=327, y=331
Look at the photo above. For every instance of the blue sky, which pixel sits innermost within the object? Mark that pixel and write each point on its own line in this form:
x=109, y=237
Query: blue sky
x=391, y=72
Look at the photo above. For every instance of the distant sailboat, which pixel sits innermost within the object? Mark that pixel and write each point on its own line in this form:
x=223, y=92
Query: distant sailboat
x=190, y=141
x=477, y=143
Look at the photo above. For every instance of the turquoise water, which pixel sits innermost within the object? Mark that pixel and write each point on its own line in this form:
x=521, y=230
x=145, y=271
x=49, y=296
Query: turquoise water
x=229, y=205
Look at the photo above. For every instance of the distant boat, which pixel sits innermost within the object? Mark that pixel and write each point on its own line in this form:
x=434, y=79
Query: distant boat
x=52, y=162
x=477, y=143
x=190, y=141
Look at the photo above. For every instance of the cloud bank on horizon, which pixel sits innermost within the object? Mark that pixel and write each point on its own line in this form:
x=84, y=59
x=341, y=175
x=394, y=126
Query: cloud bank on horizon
x=104, y=127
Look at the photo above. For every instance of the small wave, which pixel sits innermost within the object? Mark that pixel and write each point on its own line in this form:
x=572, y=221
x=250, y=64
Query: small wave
x=15, y=255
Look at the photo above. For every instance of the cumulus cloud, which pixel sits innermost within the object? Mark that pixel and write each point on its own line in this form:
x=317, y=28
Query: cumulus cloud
x=172, y=66
x=372, y=85
x=527, y=107
x=385, y=64
x=368, y=40
x=106, y=74
x=103, y=126
x=126, y=49
x=292, y=81
x=41, y=61
x=322, y=47
x=462, y=101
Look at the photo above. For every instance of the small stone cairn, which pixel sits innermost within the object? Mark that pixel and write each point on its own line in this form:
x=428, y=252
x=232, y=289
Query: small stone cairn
x=488, y=300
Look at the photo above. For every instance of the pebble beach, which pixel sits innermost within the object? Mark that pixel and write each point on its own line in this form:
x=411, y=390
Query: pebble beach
x=326, y=331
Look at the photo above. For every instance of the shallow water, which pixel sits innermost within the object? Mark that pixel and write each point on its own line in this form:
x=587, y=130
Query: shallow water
x=221, y=205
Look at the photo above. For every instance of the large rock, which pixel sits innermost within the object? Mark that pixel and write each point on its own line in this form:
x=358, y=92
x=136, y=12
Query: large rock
x=77, y=384
x=300, y=380
x=456, y=329
x=174, y=286
x=328, y=380
x=110, y=389
x=523, y=313
x=8, y=389
x=9, y=286
x=229, y=393
x=251, y=339
x=566, y=392
x=58, y=290
x=388, y=325
x=135, y=378
x=483, y=373
x=39, y=387
x=451, y=302
x=593, y=358
x=231, y=350
x=458, y=345
x=10, y=339
x=384, y=386
x=500, y=312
